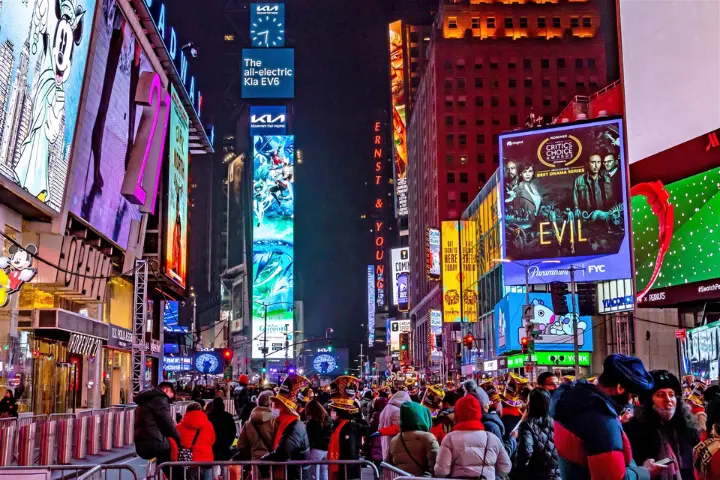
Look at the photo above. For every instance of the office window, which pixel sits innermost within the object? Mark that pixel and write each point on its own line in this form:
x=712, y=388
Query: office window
x=528, y=101
x=447, y=64
x=512, y=101
x=508, y=22
x=495, y=138
x=546, y=102
x=452, y=22
x=494, y=101
x=545, y=63
x=528, y=82
x=461, y=102
x=592, y=63
x=512, y=82
x=449, y=159
x=448, y=120
x=462, y=139
x=494, y=64
x=479, y=102
x=574, y=22
x=490, y=22
x=587, y=22
x=556, y=22
x=475, y=22
x=480, y=138
x=448, y=84
x=580, y=82
x=463, y=159
x=496, y=158
x=562, y=103
x=478, y=82
x=593, y=82
x=479, y=122
x=496, y=122
x=481, y=177
x=463, y=177
x=523, y=22
x=527, y=63
x=448, y=102
x=460, y=63
x=495, y=83
x=462, y=121
x=480, y=158
x=463, y=195
x=560, y=63
x=513, y=120
x=546, y=83
x=461, y=83
x=578, y=63
x=451, y=177
x=547, y=119
x=512, y=65
x=562, y=82
x=478, y=64
x=450, y=139
x=541, y=22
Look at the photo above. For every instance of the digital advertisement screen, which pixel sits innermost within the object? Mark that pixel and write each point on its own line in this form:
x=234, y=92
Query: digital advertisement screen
x=565, y=199
x=171, y=318
x=43, y=52
x=177, y=199
x=399, y=264
x=268, y=73
x=432, y=253
x=451, y=270
x=276, y=336
x=273, y=231
x=371, y=304
x=398, y=96
x=396, y=328
x=235, y=218
x=701, y=351
x=469, y=270
x=268, y=120
x=435, y=330
x=556, y=331
x=209, y=362
x=267, y=24
x=177, y=364
x=111, y=123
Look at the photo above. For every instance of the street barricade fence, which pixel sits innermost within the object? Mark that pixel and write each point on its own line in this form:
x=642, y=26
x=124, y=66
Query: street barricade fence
x=76, y=472
x=258, y=470
x=29, y=438
x=8, y=428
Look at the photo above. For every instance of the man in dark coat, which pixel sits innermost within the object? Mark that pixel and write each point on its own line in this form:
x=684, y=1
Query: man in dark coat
x=154, y=425
x=225, y=430
x=241, y=396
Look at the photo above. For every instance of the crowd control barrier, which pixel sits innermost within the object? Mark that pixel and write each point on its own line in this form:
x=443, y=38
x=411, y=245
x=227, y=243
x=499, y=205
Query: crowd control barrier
x=29, y=438
x=75, y=472
x=105, y=429
x=258, y=470
x=129, y=425
x=8, y=429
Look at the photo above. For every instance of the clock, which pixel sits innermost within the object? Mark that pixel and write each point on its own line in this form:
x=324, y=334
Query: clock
x=206, y=363
x=324, y=363
x=267, y=31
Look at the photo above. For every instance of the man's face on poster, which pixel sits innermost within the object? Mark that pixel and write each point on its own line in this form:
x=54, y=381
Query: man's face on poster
x=594, y=163
x=397, y=81
x=610, y=163
x=511, y=170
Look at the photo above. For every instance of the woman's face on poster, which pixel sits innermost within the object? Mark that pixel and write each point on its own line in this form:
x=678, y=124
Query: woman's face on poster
x=527, y=174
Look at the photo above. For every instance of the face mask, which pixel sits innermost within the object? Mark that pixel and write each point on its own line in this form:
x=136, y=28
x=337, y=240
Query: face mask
x=275, y=413
x=664, y=413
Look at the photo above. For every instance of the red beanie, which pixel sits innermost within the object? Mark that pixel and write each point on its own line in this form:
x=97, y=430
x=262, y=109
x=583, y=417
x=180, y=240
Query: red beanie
x=467, y=409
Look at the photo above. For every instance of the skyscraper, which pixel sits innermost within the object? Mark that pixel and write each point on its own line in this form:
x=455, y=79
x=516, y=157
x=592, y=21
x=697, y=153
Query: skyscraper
x=20, y=106
x=6, y=64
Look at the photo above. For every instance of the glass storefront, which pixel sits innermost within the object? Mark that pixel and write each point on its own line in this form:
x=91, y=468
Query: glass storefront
x=116, y=384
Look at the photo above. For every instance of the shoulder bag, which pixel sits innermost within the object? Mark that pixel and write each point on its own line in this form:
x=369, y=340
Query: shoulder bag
x=185, y=454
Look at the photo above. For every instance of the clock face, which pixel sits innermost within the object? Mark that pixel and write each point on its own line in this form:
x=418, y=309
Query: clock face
x=206, y=363
x=267, y=31
x=324, y=363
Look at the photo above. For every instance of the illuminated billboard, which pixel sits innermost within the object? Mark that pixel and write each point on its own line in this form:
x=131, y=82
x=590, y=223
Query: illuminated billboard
x=400, y=265
x=43, y=52
x=396, y=328
x=268, y=73
x=117, y=141
x=469, y=268
x=235, y=217
x=277, y=332
x=450, y=255
x=177, y=198
x=432, y=253
x=273, y=232
x=434, y=331
x=565, y=200
x=268, y=120
x=267, y=24
x=398, y=96
x=371, y=304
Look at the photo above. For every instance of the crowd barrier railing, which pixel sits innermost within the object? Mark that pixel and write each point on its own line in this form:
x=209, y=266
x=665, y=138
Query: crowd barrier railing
x=257, y=470
x=29, y=438
x=8, y=428
x=66, y=472
x=390, y=472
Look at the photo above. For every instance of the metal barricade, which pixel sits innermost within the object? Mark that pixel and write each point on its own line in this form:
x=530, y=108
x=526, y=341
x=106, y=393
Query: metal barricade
x=107, y=422
x=81, y=435
x=8, y=430
x=57, y=432
x=118, y=433
x=389, y=472
x=230, y=406
x=130, y=425
x=76, y=472
x=94, y=429
x=258, y=470
x=29, y=438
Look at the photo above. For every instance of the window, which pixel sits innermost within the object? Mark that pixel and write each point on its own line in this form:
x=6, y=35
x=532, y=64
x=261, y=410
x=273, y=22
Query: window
x=462, y=139
x=512, y=101
x=580, y=82
x=462, y=121
x=592, y=63
x=528, y=82
x=547, y=119
x=480, y=158
x=512, y=82
x=480, y=138
x=461, y=102
x=449, y=159
x=562, y=103
x=496, y=158
x=495, y=138
x=448, y=102
x=463, y=159
x=556, y=22
x=490, y=22
x=578, y=63
x=587, y=22
x=513, y=120
x=523, y=22
x=508, y=22
x=528, y=101
x=481, y=177
x=560, y=63
x=546, y=102
x=463, y=177
x=450, y=139
x=527, y=63
x=495, y=83
x=494, y=101
x=541, y=22
x=496, y=122
x=562, y=82
x=475, y=22
x=479, y=102
x=447, y=64
x=448, y=84
x=494, y=64
x=461, y=83
x=448, y=120
x=546, y=83
x=545, y=63
x=593, y=82
x=451, y=177
x=512, y=65
x=478, y=83
x=460, y=63
x=452, y=22
x=463, y=195
x=478, y=64
x=574, y=22
x=479, y=122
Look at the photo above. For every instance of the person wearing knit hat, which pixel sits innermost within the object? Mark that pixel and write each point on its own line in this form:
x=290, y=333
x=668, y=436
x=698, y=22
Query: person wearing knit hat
x=662, y=427
x=469, y=451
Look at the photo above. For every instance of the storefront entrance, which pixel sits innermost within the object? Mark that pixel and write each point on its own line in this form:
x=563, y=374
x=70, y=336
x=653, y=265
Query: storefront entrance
x=55, y=385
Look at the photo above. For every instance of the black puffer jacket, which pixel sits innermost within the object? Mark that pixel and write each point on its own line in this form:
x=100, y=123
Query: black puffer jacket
x=294, y=445
x=153, y=424
x=536, y=457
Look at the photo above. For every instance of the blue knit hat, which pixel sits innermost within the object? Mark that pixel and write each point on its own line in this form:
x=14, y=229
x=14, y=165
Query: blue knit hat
x=628, y=372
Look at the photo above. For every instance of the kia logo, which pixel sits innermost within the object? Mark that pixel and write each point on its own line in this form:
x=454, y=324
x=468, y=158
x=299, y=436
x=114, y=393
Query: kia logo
x=268, y=9
x=267, y=118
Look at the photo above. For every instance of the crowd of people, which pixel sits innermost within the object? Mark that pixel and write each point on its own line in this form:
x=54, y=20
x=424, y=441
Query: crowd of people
x=628, y=423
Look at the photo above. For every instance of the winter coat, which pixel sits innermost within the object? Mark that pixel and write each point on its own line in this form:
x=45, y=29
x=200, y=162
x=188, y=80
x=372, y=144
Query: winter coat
x=154, y=424
x=294, y=445
x=319, y=434
x=192, y=423
x=414, y=449
x=589, y=436
x=366, y=407
x=649, y=437
x=241, y=398
x=510, y=418
x=536, y=457
x=493, y=424
x=373, y=445
x=225, y=431
x=390, y=416
x=257, y=435
x=470, y=454
x=350, y=444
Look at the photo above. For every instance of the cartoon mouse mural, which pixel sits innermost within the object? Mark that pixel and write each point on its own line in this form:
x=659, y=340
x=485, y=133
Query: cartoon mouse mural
x=15, y=270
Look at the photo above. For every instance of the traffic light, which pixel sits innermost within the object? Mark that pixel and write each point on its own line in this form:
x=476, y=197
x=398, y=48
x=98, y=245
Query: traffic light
x=264, y=370
x=558, y=292
x=228, y=354
x=525, y=344
x=404, y=341
x=330, y=345
x=468, y=340
x=586, y=299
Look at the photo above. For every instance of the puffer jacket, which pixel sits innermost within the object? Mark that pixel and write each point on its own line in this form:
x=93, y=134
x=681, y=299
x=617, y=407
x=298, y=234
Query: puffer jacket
x=536, y=457
x=493, y=424
x=257, y=435
x=319, y=434
x=390, y=417
x=294, y=445
x=153, y=424
x=195, y=423
x=414, y=449
x=373, y=445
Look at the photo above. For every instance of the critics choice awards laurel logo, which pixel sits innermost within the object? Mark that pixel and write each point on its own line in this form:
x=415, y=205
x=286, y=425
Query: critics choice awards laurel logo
x=559, y=151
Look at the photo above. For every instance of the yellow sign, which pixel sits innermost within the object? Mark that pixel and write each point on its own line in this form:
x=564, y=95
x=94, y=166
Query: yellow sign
x=469, y=245
x=450, y=255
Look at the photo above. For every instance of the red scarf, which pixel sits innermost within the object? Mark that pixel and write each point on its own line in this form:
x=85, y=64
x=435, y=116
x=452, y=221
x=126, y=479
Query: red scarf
x=283, y=421
x=509, y=411
x=334, y=449
x=469, y=425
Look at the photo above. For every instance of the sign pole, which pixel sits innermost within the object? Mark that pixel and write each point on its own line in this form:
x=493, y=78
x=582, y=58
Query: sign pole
x=575, y=321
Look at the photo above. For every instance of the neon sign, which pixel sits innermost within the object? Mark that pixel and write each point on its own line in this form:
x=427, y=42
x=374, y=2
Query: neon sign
x=379, y=204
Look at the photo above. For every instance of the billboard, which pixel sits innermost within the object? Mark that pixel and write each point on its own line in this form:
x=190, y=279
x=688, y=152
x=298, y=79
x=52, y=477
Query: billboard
x=268, y=73
x=171, y=318
x=116, y=128
x=565, y=198
x=396, y=328
x=267, y=24
x=268, y=120
x=324, y=361
x=371, y=304
x=177, y=198
x=235, y=217
x=432, y=253
x=435, y=330
x=451, y=270
x=400, y=264
x=43, y=52
x=469, y=270
x=273, y=231
x=556, y=331
x=701, y=351
x=277, y=331
x=398, y=96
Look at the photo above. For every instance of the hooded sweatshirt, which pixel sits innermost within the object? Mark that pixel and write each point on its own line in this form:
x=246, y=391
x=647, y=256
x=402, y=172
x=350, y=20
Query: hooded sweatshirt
x=390, y=416
x=257, y=435
x=414, y=449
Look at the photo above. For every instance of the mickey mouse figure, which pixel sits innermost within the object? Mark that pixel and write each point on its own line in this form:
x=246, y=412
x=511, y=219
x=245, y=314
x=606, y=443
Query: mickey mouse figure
x=17, y=269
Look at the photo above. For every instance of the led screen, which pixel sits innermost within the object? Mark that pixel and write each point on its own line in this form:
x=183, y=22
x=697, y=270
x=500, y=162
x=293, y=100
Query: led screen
x=267, y=24
x=469, y=270
x=435, y=331
x=277, y=330
x=171, y=318
x=399, y=265
x=43, y=52
x=371, y=304
x=564, y=197
x=268, y=120
x=235, y=218
x=177, y=199
x=110, y=126
x=451, y=270
x=398, y=92
x=273, y=236
x=432, y=253
x=396, y=328
x=268, y=73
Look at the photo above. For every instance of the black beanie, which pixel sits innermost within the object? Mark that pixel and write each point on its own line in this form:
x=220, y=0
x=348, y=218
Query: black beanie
x=663, y=379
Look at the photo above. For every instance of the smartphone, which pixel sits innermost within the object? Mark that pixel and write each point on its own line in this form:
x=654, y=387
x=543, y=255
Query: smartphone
x=665, y=461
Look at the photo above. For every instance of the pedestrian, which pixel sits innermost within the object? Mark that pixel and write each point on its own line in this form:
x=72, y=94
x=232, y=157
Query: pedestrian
x=154, y=425
x=588, y=433
x=444, y=422
x=346, y=438
x=8, y=405
x=319, y=429
x=373, y=443
x=706, y=455
x=512, y=404
x=366, y=405
x=536, y=457
x=414, y=449
x=549, y=381
x=241, y=397
x=663, y=428
x=291, y=439
x=258, y=433
x=225, y=431
x=390, y=417
x=492, y=421
x=469, y=451
x=197, y=438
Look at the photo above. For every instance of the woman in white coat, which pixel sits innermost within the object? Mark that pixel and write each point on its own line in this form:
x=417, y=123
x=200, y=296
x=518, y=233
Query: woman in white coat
x=469, y=451
x=390, y=416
